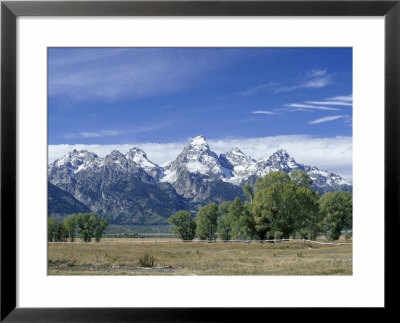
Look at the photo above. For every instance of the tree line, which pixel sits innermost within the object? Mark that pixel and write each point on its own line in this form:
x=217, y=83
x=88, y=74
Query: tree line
x=278, y=206
x=84, y=225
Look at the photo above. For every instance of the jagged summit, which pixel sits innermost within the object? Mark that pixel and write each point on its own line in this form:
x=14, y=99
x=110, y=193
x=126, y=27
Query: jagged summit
x=198, y=141
x=197, y=175
x=130, y=188
x=196, y=158
x=139, y=158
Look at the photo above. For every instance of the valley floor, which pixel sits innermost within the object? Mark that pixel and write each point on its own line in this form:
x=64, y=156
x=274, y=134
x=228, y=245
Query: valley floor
x=173, y=257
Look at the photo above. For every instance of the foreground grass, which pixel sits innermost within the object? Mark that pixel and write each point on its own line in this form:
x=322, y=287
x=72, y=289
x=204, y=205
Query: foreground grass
x=111, y=258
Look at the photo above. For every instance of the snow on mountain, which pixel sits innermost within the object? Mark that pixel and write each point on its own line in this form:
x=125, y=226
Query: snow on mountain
x=280, y=161
x=122, y=186
x=241, y=166
x=197, y=158
x=139, y=157
x=76, y=161
x=196, y=163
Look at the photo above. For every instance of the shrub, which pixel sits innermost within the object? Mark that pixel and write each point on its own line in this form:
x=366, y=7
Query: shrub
x=348, y=235
x=278, y=234
x=146, y=260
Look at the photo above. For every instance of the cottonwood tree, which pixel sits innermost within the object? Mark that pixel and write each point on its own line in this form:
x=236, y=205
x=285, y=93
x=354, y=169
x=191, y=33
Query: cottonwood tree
x=337, y=209
x=271, y=178
x=101, y=226
x=310, y=219
x=70, y=226
x=51, y=228
x=300, y=178
x=224, y=228
x=284, y=208
x=87, y=226
x=248, y=192
x=206, y=221
x=184, y=226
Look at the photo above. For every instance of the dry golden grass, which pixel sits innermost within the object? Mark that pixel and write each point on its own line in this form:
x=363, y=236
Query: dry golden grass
x=173, y=257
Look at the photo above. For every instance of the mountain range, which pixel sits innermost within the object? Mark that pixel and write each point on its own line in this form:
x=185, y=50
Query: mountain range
x=130, y=189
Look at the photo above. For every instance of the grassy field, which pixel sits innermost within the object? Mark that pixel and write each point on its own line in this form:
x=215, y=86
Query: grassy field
x=172, y=257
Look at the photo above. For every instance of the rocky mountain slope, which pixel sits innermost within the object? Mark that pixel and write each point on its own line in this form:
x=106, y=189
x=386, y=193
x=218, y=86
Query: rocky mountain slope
x=62, y=203
x=131, y=189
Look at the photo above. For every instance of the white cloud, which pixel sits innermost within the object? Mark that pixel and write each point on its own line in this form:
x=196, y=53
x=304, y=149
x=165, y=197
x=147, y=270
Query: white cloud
x=330, y=103
x=325, y=119
x=286, y=89
x=308, y=106
x=263, y=112
x=258, y=88
x=99, y=134
x=316, y=73
x=342, y=98
x=114, y=74
x=317, y=83
x=332, y=154
x=315, y=79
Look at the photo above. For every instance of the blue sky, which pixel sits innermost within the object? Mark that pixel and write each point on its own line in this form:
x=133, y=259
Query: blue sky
x=113, y=97
x=123, y=95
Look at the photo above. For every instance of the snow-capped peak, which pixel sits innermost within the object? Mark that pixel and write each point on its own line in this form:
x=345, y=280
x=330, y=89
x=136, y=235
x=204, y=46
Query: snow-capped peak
x=236, y=157
x=116, y=157
x=75, y=161
x=196, y=157
x=139, y=157
x=198, y=141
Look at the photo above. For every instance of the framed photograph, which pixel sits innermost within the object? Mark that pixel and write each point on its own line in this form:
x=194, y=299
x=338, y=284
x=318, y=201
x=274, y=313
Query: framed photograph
x=231, y=151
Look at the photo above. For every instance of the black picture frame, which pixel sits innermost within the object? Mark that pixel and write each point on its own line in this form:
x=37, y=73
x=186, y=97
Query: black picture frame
x=10, y=10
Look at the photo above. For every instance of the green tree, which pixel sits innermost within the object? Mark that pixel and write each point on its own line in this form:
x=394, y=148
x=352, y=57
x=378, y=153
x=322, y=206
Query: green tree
x=51, y=228
x=224, y=228
x=283, y=207
x=101, y=226
x=223, y=208
x=248, y=192
x=337, y=209
x=235, y=214
x=246, y=223
x=184, y=226
x=300, y=178
x=271, y=178
x=206, y=221
x=61, y=233
x=87, y=223
x=70, y=226
x=237, y=223
x=309, y=220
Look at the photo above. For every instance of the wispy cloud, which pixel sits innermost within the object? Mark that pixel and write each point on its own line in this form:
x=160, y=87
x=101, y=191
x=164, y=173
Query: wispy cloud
x=342, y=98
x=111, y=74
x=315, y=79
x=325, y=119
x=98, y=134
x=308, y=106
x=259, y=87
x=264, y=112
x=312, y=79
x=331, y=103
x=316, y=73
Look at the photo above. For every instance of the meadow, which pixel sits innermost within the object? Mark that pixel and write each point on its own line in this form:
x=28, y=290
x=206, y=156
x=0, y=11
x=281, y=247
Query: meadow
x=122, y=256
